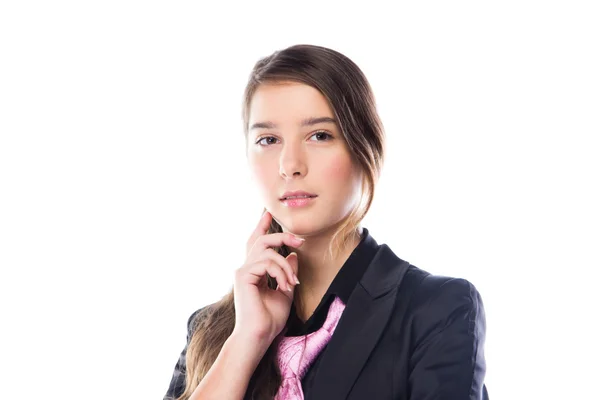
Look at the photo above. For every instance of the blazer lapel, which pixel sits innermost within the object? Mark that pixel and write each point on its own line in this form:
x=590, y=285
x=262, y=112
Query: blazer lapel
x=368, y=310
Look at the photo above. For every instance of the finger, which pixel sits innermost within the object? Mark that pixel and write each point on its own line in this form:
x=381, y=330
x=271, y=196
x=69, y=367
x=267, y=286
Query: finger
x=284, y=263
x=255, y=273
x=274, y=240
x=287, y=289
x=292, y=259
x=259, y=269
x=261, y=229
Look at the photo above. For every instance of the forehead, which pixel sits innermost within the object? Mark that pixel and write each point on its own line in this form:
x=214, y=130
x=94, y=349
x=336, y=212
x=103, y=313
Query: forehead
x=287, y=102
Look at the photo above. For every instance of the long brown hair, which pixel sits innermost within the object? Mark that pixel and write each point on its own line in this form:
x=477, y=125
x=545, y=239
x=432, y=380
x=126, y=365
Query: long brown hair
x=350, y=96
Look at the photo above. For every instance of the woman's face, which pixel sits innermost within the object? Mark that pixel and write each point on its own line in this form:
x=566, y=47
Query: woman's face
x=288, y=152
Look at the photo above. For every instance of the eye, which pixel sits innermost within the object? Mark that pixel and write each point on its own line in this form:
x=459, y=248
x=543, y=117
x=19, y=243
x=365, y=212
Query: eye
x=327, y=135
x=263, y=138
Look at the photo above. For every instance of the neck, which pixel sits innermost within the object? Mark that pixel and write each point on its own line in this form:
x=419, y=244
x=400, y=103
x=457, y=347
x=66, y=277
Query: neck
x=316, y=270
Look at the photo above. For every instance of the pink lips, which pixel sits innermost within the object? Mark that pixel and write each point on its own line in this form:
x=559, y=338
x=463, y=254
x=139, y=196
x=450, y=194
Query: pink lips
x=299, y=198
x=298, y=202
x=296, y=193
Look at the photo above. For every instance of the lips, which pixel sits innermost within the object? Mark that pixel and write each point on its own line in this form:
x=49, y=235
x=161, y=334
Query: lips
x=298, y=202
x=298, y=194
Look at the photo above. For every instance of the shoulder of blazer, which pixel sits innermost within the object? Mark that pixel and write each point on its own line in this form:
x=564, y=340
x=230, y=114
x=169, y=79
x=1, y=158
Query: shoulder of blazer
x=431, y=300
x=430, y=288
x=422, y=288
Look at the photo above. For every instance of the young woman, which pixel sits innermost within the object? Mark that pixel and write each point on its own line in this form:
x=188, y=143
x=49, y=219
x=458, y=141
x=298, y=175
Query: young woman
x=362, y=323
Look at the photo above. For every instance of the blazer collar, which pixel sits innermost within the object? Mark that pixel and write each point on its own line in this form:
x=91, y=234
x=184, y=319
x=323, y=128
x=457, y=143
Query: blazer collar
x=366, y=314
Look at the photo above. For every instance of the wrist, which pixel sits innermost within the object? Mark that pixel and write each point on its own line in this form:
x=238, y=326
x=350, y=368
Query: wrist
x=259, y=341
x=249, y=348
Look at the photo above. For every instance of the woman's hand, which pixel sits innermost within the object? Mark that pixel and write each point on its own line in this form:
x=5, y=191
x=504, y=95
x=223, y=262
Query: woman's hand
x=261, y=312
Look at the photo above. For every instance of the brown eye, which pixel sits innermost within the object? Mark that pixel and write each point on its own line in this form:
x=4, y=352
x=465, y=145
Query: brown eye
x=263, y=138
x=322, y=134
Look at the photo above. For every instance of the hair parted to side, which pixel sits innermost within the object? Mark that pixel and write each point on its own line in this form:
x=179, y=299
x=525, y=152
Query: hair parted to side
x=351, y=98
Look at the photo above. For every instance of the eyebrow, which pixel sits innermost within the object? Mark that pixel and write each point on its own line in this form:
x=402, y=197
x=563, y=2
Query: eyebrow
x=305, y=122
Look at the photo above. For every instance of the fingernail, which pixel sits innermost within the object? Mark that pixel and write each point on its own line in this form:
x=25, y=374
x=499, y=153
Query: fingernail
x=299, y=238
x=296, y=278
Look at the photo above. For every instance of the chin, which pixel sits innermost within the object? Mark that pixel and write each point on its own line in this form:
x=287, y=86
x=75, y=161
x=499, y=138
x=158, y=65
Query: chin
x=304, y=226
x=297, y=225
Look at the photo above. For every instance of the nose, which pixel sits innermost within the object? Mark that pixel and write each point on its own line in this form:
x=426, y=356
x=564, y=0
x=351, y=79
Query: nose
x=292, y=162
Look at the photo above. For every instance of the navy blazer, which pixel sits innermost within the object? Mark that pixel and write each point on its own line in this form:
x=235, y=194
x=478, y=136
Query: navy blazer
x=405, y=334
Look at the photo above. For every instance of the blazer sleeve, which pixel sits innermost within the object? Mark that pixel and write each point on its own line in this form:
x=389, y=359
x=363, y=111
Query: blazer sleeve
x=177, y=385
x=447, y=360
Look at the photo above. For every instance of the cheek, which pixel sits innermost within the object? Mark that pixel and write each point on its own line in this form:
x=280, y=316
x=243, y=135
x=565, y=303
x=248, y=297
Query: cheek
x=338, y=170
x=262, y=172
x=259, y=170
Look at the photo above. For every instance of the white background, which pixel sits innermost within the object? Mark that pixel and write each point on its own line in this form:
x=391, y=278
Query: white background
x=126, y=204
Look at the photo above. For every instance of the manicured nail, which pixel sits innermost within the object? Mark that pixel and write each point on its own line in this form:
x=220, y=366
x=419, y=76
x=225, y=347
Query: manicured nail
x=296, y=278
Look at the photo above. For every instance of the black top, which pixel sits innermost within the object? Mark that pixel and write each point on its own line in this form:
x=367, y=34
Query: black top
x=342, y=285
